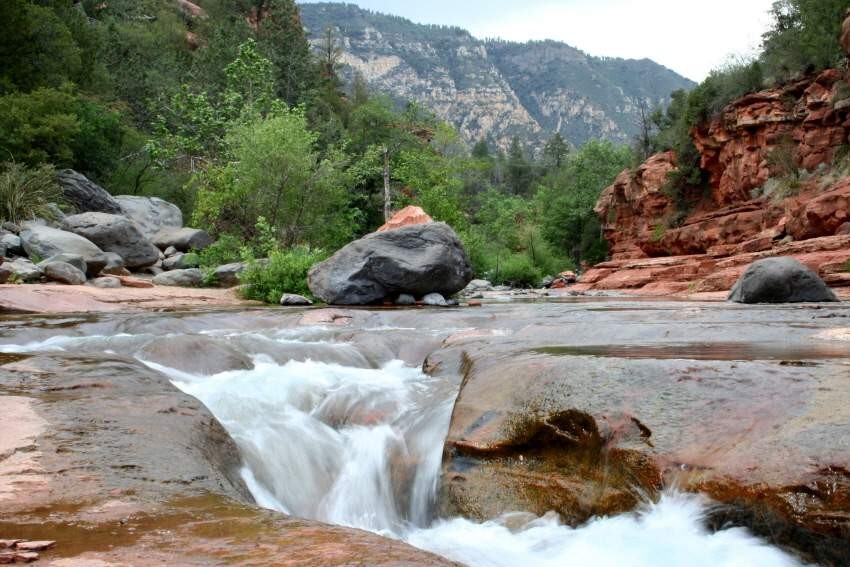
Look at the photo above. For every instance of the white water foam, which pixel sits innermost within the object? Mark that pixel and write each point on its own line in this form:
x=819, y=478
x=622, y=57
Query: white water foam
x=362, y=448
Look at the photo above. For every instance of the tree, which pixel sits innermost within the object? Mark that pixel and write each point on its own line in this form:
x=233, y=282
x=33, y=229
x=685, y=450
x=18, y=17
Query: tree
x=36, y=48
x=518, y=171
x=274, y=173
x=555, y=151
x=481, y=150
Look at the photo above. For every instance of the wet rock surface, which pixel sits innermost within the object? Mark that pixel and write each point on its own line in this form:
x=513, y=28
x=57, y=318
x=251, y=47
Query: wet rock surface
x=108, y=459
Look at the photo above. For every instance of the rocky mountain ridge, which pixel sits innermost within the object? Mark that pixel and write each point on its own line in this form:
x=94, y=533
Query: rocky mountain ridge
x=492, y=89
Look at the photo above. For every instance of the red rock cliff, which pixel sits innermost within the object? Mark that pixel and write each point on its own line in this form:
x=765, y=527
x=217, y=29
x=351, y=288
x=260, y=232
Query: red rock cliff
x=804, y=125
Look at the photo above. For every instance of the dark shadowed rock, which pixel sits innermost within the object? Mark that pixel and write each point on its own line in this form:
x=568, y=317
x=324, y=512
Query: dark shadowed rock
x=227, y=275
x=84, y=195
x=417, y=260
x=115, y=233
x=151, y=214
x=63, y=272
x=12, y=244
x=780, y=280
x=43, y=242
x=183, y=239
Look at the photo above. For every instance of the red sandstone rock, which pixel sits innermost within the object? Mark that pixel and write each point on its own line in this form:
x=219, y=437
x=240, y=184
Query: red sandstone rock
x=134, y=282
x=406, y=217
x=34, y=545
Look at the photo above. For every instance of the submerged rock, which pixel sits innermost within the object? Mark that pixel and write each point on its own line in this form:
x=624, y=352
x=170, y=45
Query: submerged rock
x=416, y=260
x=115, y=233
x=780, y=280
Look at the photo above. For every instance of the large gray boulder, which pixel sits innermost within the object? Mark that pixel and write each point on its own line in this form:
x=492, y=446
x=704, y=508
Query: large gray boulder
x=780, y=280
x=183, y=239
x=42, y=242
x=21, y=269
x=416, y=260
x=115, y=233
x=84, y=195
x=151, y=214
x=12, y=244
x=73, y=259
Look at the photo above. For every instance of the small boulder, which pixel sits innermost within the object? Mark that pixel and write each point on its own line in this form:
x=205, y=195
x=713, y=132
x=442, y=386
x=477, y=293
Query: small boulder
x=11, y=227
x=151, y=214
x=113, y=265
x=227, y=275
x=6, y=272
x=780, y=280
x=73, y=259
x=434, y=300
x=106, y=282
x=170, y=251
x=84, y=195
x=44, y=242
x=115, y=233
x=417, y=260
x=405, y=299
x=181, y=261
x=183, y=239
x=843, y=229
x=22, y=270
x=65, y=273
x=293, y=300
x=180, y=278
x=12, y=244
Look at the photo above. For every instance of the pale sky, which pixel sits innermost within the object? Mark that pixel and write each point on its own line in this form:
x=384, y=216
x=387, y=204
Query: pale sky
x=689, y=36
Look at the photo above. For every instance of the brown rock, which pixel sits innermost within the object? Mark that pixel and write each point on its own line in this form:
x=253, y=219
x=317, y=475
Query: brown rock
x=34, y=545
x=127, y=281
x=407, y=216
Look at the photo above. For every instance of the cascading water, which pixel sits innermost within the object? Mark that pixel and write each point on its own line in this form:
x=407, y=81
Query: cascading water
x=362, y=447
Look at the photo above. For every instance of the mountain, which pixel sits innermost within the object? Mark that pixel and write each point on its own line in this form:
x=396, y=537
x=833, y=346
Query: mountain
x=491, y=89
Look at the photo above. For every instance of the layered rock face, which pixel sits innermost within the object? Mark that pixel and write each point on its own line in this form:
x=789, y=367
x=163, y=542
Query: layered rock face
x=748, y=153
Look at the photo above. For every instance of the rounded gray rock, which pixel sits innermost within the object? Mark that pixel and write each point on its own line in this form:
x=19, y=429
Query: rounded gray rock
x=417, y=260
x=180, y=278
x=780, y=280
x=183, y=239
x=44, y=242
x=293, y=300
x=151, y=214
x=64, y=273
x=74, y=259
x=115, y=233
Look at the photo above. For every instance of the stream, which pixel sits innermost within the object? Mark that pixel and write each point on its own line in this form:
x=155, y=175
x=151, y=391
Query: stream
x=357, y=439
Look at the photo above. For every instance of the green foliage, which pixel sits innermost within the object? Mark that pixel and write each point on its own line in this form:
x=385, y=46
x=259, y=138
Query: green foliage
x=519, y=270
x=36, y=48
x=803, y=37
x=284, y=272
x=566, y=199
x=26, y=192
x=274, y=172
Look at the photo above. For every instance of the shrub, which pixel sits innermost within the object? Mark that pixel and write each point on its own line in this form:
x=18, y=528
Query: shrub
x=25, y=193
x=519, y=270
x=284, y=272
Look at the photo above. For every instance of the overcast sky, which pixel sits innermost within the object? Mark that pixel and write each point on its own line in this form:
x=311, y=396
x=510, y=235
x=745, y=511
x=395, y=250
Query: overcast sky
x=689, y=36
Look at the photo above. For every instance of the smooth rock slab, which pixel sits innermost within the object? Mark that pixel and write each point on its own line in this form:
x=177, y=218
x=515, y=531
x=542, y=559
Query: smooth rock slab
x=115, y=233
x=780, y=280
x=180, y=278
x=417, y=260
x=107, y=282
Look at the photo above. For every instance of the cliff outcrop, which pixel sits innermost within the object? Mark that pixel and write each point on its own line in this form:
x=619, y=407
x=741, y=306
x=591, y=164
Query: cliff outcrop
x=778, y=184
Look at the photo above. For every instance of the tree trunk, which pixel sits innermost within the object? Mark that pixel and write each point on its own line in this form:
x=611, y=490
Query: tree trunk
x=387, y=198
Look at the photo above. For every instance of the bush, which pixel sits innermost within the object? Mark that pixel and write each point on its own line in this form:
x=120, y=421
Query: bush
x=25, y=193
x=519, y=270
x=284, y=272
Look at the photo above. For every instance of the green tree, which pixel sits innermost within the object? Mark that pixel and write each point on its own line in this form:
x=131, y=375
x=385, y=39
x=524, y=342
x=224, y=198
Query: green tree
x=555, y=152
x=518, y=173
